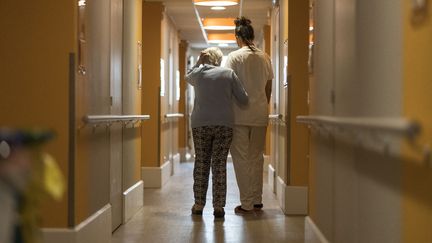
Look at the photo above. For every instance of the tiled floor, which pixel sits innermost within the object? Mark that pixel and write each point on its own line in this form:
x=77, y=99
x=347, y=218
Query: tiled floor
x=166, y=217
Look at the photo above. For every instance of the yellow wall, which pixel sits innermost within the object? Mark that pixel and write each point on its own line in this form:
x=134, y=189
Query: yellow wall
x=151, y=31
x=297, y=15
x=285, y=14
x=34, y=66
x=417, y=178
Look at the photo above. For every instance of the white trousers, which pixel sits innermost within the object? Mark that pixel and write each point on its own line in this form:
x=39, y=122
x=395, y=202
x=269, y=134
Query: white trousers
x=247, y=150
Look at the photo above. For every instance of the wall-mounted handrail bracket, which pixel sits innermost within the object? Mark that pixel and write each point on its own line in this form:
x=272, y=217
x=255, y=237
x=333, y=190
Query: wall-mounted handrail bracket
x=109, y=120
x=277, y=119
x=173, y=115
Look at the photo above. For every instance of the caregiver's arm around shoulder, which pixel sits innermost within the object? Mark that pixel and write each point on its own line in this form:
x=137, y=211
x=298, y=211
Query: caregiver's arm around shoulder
x=239, y=91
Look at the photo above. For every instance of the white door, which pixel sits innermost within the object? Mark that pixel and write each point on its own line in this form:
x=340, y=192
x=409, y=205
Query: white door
x=276, y=97
x=116, y=163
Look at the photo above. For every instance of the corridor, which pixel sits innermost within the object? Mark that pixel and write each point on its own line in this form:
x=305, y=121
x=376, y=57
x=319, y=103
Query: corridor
x=166, y=217
x=97, y=113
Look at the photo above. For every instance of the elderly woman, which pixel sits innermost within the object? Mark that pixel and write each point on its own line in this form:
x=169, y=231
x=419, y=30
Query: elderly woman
x=216, y=89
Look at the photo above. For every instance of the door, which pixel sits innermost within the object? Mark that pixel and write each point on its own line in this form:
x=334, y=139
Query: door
x=174, y=86
x=165, y=93
x=116, y=163
x=275, y=105
x=169, y=98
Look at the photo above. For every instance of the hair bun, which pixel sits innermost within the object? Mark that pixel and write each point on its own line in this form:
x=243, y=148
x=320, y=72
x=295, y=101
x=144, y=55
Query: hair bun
x=242, y=21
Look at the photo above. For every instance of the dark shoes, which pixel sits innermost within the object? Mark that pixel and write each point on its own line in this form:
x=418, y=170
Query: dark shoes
x=197, y=209
x=258, y=207
x=240, y=210
x=219, y=212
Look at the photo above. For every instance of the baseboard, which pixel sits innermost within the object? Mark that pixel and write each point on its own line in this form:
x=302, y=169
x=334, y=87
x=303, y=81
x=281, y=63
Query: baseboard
x=271, y=178
x=95, y=229
x=312, y=233
x=166, y=170
x=176, y=163
x=266, y=162
x=183, y=152
x=280, y=192
x=54, y=235
x=156, y=177
x=133, y=200
x=292, y=199
x=229, y=158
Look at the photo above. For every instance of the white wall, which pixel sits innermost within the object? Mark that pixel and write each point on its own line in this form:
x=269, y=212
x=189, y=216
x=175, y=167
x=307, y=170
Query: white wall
x=321, y=88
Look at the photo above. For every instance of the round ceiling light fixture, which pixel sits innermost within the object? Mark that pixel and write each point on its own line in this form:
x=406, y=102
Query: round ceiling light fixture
x=217, y=8
x=216, y=3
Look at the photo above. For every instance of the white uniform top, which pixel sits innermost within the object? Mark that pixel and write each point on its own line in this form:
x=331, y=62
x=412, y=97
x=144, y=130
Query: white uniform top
x=253, y=69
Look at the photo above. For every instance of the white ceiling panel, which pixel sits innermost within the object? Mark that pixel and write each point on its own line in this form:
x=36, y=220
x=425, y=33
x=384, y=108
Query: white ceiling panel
x=182, y=13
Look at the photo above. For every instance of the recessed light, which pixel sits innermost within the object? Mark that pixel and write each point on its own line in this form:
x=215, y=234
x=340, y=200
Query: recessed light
x=217, y=8
x=221, y=38
x=223, y=44
x=216, y=2
x=222, y=41
x=220, y=27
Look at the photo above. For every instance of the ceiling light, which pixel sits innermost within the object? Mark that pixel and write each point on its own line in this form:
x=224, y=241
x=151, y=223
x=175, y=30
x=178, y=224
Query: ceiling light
x=217, y=3
x=218, y=8
x=223, y=45
x=221, y=38
x=221, y=42
x=218, y=23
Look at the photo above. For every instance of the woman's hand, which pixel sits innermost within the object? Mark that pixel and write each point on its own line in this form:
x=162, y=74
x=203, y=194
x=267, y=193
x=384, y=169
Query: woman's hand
x=203, y=58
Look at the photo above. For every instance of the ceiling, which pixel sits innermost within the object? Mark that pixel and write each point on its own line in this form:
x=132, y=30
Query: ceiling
x=183, y=15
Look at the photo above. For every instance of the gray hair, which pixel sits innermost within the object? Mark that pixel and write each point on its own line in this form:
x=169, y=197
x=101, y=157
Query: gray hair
x=214, y=55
